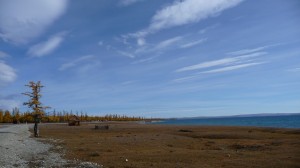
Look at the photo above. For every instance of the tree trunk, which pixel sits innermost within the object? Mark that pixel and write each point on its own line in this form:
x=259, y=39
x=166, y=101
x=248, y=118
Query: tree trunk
x=36, y=130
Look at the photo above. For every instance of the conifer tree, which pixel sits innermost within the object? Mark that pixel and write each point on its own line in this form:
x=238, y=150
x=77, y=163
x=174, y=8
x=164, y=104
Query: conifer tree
x=16, y=115
x=7, y=117
x=1, y=116
x=35, y=104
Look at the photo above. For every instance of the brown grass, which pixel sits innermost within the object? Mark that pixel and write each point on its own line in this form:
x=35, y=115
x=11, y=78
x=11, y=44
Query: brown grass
x=136, y=145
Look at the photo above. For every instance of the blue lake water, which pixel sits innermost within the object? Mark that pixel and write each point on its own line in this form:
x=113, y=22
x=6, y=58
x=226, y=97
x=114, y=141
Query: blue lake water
x=289, y=121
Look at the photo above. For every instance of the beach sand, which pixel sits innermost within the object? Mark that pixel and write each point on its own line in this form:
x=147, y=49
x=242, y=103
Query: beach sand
x=128, y=144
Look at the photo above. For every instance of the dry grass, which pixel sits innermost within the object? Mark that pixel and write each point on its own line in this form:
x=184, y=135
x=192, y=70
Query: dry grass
x=136, y=145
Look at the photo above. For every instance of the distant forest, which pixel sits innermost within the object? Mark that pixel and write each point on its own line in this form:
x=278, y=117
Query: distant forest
x=15, y=116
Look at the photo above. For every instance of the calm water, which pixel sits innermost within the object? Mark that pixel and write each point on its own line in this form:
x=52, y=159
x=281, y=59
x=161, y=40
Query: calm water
x=291, y=121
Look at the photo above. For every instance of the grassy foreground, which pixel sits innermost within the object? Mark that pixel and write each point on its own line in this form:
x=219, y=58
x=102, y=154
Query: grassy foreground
x=127, y=144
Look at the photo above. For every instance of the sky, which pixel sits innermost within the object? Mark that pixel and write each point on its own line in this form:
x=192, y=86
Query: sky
x=152, y=58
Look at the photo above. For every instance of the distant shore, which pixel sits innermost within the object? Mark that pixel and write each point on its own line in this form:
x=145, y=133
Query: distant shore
x=275, y=121
x=129, y=144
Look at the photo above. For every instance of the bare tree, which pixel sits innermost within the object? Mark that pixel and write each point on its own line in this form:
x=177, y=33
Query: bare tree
x=35, y=104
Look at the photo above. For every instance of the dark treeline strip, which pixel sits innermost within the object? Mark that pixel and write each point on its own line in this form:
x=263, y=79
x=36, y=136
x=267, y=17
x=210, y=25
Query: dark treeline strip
x=59, y=116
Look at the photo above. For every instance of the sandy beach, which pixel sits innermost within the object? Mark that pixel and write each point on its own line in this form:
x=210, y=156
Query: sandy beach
x=134, y=145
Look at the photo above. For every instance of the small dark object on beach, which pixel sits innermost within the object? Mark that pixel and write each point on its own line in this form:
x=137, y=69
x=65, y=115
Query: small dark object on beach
x=94, y=154
x=102, y=127
x=183, y=130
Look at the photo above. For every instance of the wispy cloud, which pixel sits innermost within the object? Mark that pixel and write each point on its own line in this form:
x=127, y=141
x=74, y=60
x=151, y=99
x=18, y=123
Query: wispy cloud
x=193, y=43
x=252, y=50
x=208, y=64
x=79, y=62
x=168, y=42
x=21, y=21
x=100, y=43
x=143, y=60
x=47, y=47
x=204, y=30
x=189, y=11
x=127, y=54
x=128, y=82
x=184, y=12
x=8, y=104
x=128, y=2
x=234, y=67
x=224, y=61
x=294, y=70
x=187, y=78
x=247, y=51
x=150, y=48
x=7, y=73
x=141, y=41
x=3, y=54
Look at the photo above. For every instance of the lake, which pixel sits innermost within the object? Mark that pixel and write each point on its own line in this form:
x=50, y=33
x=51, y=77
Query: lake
x=285, y=121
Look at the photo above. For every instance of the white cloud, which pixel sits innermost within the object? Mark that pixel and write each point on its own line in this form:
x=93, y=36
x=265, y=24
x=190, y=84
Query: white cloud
x=193, y=43
x=45, y=48
x=224, y=61
x=188, y=11
x=79, y=62
x=21, y=21
x=176, y=14
x=128, y=2
x=7, y=73
x=234, y=67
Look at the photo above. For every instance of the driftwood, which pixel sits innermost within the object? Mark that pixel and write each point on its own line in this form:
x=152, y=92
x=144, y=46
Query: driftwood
x=102, y=127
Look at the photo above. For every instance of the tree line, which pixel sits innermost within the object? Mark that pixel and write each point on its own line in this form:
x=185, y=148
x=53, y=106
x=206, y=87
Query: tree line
x=15, y=116
x=38, y=111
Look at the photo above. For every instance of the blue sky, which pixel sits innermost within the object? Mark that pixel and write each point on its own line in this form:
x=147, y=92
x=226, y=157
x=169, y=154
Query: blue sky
x=153, y=58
